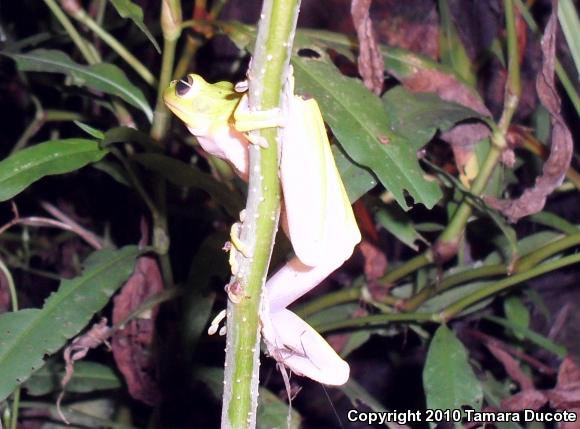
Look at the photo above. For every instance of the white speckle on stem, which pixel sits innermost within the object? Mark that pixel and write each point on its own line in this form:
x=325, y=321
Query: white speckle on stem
x=269, y=57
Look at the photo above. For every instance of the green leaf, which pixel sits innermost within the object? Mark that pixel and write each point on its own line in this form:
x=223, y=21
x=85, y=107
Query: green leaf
x=88, y=377
x=20, y=170
x=360, y=124
x=181, y=174
x=127, y=135
x=516, y=311
x=27, y=336
x=448, y=378
x=358, y=395
x=357, y=180
x=530, y=335
x=92, y=131
x=571, y=27
x=103, y=77
x=128, y=9
x=417, y=116
x=273, y=412
x=396, y=221
x=453, y=52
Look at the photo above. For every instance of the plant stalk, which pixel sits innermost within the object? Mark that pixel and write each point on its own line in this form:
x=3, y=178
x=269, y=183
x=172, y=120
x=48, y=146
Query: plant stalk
x=267, y=76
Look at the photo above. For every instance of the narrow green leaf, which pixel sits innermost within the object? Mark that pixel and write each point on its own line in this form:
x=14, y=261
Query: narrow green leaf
x=530, y=335
x=448, y=378
x=186, y=175
x=19, y=171
x=357, y=395
x=103, y=77
x=516, y=312
x=88, y=377
x=396, y=221
x=453, y=52
x=27, y=336
x=128, y=9
x=131, y=135
x=92, y=131
x=570, y=23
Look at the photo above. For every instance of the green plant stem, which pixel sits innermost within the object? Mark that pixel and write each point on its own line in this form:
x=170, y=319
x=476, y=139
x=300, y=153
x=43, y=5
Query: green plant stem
x=171, y=28
x=329, y=300
x=500, y=286
x=82, y=45
x=375, y=320
x=14, y=301
x=457, y=307
x=267, y=75
x=85, y=19
x=193, y=43
x=451, y=281
x=40, y=118
x=161, y=116
x=532, y=259
x=414, y=302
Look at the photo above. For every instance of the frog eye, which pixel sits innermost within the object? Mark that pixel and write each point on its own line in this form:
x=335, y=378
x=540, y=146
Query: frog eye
x=182, y=87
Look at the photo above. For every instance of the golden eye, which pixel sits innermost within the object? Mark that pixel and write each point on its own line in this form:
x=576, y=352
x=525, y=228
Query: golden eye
x=182, y=87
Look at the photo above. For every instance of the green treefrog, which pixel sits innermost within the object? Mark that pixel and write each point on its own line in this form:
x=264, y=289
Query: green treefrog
x=316, y=215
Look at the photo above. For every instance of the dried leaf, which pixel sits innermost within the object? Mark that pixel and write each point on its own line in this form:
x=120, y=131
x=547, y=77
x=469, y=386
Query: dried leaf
x=77, y=350
x=4, y=294
x=412, y=25
x=370, y=60
x=525, y=400
x=132, y=344
x=511, y=366
x=533, y=199
x=566, y=394
x=569, y=372
x=375, y=260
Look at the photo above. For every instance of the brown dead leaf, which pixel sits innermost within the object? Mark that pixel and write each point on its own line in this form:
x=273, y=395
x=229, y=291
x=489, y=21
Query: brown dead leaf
x=412, y=25
x=132, y=343
x=511, y=366
x=533, y=199
x=4, y=294
x=566, y=394
x=525, y=400
x=375, y=260
x=370, y=60
x=569, y=372
x=77, y=350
